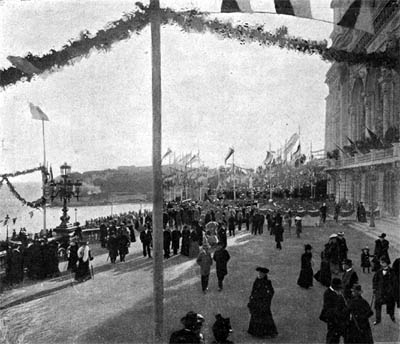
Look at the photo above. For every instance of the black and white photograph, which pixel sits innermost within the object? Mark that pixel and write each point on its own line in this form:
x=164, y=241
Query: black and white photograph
x=199, y=171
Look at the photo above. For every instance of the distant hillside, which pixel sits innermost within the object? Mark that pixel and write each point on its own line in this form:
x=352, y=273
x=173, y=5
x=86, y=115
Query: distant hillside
x=124, y=180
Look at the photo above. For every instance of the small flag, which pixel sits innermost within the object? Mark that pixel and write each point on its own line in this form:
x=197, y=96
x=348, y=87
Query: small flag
x=168, y=152
x=31, y=214
x=268, y=158
x=23, y=65
x=291, y=143
x=375, y=139
x=231, y=151
x=344, y=153
x=37, y=113
x=14, y=220
x=296, y=155
x=6, y=220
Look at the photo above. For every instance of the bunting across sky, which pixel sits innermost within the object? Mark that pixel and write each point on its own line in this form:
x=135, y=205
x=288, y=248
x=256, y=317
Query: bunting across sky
x=356, y=14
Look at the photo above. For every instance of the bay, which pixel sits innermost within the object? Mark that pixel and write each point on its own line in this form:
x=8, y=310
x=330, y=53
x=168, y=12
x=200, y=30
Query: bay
x=33, y=224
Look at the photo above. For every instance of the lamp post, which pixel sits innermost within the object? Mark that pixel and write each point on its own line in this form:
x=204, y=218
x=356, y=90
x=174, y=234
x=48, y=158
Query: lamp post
x=65, y=189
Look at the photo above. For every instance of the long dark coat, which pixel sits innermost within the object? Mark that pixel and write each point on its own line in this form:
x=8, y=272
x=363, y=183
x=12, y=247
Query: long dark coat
x=261, y=322
x=384, y=286
x=349, y=278
x=123, y=244
x=73, y=257
x=278, y=231
x=381, y=249
x=167, y=239
x=335, y=313
x=358, y=329
x=305, y=279
x=221, y=258
x=185, y=241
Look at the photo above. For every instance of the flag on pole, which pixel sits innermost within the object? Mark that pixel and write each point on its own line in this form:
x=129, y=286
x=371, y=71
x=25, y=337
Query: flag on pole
x=375, y=139
x=344, y=153
x=168, y=152
x=31, y=214
x=291, y=143
x=355, y=14
x=37, y=113
x=14, y=220
x=6, y=220
x=268, y=158
x=231, y=151
x=354, y=146
x=296, y=155
x=51, y=174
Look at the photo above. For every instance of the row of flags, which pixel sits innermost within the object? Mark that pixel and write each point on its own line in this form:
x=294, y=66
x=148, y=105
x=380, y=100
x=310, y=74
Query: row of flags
x=375, y=142
x=14, y=220
x=353, y=14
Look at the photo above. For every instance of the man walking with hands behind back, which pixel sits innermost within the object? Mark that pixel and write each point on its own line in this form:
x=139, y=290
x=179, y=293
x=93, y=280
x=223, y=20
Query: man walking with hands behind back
x=221, y=257
x=205, y=261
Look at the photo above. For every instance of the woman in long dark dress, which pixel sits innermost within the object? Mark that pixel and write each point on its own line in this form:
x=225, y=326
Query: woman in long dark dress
x=261, y=322
x=305, y=279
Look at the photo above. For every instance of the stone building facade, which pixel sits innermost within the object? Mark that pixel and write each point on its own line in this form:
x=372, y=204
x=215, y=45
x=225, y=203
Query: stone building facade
x=362, y=97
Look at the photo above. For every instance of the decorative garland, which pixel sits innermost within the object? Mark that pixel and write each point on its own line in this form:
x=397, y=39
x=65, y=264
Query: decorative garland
x=19, y=173
x=135, y=22
x=4, y=178
x=35, y=204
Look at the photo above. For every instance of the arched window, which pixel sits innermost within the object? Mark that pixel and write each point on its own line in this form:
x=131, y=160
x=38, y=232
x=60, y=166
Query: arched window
x=358, y=111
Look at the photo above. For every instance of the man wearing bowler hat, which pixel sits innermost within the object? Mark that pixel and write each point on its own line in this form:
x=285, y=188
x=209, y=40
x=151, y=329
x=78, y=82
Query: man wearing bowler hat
x=334, y=312
x=261, y=322
x=191, y=333
x=349, y=278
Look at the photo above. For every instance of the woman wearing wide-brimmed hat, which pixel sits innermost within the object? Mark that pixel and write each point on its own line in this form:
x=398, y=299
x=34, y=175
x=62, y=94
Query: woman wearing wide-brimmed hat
x=261, y=322
x=191, y=333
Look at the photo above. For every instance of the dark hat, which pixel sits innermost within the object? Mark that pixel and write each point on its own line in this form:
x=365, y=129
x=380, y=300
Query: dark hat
x=356, y=287
x=192, y=319
x=383, y=235
x=307, y=247
x=385, y=260
x=341, y=233
x=263, y=270
x=336, y=283
x=348, y=262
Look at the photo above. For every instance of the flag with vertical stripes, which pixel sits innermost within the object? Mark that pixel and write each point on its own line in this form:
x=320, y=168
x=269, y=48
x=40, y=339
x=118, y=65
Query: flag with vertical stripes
x=355, y=14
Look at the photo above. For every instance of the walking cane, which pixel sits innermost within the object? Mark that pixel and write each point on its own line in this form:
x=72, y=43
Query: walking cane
x=91, y=269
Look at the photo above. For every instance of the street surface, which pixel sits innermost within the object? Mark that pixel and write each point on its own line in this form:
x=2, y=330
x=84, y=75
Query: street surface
x=116, y=306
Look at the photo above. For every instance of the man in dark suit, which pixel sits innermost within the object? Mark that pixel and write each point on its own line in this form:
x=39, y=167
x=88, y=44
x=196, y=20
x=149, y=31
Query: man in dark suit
x=381, y=251
x=349, y=278
x=221, y=257
x=383, y=285
x=334, y=312
x=146, y=239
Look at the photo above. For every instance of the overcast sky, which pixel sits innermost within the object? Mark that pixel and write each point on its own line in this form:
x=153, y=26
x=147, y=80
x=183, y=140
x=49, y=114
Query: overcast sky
x=216, y=93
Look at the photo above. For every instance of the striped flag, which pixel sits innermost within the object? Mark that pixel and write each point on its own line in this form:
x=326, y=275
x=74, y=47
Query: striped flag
x=375, y=139
x=355, y=14
x=231, y=151
x=37, y=113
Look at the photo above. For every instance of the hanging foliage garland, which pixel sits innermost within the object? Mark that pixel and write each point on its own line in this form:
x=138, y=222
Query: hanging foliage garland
x=189, y=21
x=4, y=179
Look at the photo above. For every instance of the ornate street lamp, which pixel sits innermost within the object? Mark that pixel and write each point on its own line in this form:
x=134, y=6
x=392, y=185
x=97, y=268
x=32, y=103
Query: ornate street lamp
x=65, y=189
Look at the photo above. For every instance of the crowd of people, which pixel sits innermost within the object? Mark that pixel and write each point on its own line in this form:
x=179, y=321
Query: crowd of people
x=200, y=231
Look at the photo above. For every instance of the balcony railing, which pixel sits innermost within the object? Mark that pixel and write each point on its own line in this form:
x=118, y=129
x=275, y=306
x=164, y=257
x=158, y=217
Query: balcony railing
x=375, y=156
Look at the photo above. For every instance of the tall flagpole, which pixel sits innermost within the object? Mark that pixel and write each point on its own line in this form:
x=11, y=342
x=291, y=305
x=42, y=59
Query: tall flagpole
x=158, y=274
x=44, y=180
x=270, y=177
x=234, y=179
